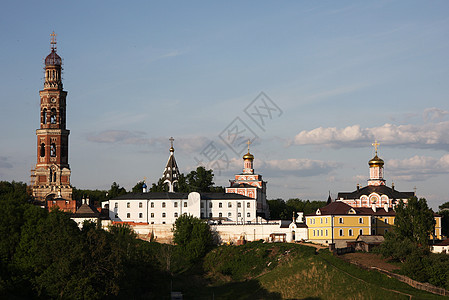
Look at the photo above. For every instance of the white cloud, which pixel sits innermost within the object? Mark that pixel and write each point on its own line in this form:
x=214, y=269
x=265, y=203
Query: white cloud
x=418, y=168
x=431, y=135
x=434, y=113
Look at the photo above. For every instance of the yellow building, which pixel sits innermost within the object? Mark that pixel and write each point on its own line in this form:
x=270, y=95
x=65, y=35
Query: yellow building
x=339, y=223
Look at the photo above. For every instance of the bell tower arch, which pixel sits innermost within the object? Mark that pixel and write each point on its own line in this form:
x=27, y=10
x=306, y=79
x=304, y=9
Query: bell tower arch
x=50, y=180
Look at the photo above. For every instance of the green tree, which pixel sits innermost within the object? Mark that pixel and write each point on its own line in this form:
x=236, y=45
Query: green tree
x=160, y=186
x=138, y=188
x=116, y=190
x=414, y=221
x=193, y=236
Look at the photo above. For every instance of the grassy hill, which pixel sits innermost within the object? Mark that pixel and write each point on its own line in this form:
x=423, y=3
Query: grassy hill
x=286, y=271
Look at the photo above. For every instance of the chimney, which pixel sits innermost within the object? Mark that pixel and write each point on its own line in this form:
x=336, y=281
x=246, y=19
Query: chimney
x=386, y=207
x=373, y=206
x=358, y=187
x=83, y=201
x=392, y=186
x=87, y=200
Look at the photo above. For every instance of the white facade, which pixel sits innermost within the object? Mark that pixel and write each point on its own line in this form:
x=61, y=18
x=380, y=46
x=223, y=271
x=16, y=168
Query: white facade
x=165, y=208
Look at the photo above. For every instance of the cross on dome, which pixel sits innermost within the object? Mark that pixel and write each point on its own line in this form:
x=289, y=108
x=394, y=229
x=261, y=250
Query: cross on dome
x=53, y=40
x=375, y=144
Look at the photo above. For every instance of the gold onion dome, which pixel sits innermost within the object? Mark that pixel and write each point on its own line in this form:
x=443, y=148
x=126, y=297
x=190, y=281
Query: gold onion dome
x=248, y=156
x=376, y=161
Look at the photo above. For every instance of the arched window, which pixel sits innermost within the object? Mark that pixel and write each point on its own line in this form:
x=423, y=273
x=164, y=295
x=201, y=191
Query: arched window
x=163, y=205
x=54, y=176
x=220, y=205
x=163, y=215
x=350, y=232
x=361, y=232
x=341, y=232
x=44, y=116
x=176, y=214
x=210, y=204
x=42, y=150
x=248, y=205
x=51, y=175
x=52, y=149
x=239, y=204
x=53, y=116
x=220, y=215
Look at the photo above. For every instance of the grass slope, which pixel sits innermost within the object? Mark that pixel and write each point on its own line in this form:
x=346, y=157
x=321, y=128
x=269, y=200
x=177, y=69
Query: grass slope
x=287, y=271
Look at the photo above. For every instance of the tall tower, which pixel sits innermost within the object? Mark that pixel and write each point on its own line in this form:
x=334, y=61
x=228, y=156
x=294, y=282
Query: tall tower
x=50, y=179
x=171, y=172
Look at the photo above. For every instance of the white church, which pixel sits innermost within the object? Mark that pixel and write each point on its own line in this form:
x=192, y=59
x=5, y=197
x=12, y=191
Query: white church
x=239, y=213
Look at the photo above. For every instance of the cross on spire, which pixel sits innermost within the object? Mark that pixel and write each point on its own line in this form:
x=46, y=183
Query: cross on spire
x=248, y=142
x=375, y=144
x=171, y=139
x=53, y=40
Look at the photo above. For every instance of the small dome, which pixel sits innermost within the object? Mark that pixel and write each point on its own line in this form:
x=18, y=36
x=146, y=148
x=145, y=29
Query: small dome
x=376, y=161
x=53, y=59
x=248, y=156
x=144, y=185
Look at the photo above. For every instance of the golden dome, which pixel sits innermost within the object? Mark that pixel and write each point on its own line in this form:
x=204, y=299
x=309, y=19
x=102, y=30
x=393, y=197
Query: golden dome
x=248, y=156
x=376, y=161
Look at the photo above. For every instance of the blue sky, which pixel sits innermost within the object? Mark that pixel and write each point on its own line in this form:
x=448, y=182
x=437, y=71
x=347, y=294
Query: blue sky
x=340, y=73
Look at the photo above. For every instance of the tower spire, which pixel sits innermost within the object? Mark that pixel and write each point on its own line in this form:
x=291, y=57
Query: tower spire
x=171, y=172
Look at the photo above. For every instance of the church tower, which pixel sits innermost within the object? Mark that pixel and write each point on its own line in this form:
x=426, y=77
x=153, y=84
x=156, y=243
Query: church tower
x=251, y=185
x=50, y=180
x=171, y=172
x=376, y=169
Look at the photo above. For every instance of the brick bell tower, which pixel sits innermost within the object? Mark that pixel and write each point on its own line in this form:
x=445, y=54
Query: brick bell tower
x=50, y=180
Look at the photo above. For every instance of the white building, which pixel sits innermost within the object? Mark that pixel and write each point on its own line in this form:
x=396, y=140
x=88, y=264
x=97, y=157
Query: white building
x=165, y=208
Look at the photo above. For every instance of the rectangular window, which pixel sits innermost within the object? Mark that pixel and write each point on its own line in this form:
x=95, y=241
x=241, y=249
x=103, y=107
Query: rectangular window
x=116, y=205
x=210, y=204
x=341, y=232
x=140, y=204
x=140, y=215
x=321, y=220
x=340, y=220
x=229, y=204
x=386, y=221
x=185, y=204
x=202, y=204
x=175, y=204
x=128, y=215
x=152, y=215
x=248, y=205
x=248, y=215
x=163, y=204
x=239, y=204
x=152, y=204
x=128, y=205
x=229, y=214
x=220, y=205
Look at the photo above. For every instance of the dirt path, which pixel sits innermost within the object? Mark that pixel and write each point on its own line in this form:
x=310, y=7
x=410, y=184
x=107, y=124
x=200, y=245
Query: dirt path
x=369, y=260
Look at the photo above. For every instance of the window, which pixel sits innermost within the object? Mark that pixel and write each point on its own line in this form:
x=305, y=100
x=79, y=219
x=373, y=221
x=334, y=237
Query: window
x=163, y=222
x=202, y=204
x=140, y=204
x=248, y=215
x=314, y=233
x=321, y=232
x=53, y=150
x=152, y=205
x=202, y=215
x=361, y=220
x=361, y=232
x=239, y=204
x=350, y=232
x=44, y=116
x=341, y=232
x=152, y=222
x=220, y=205
x=325, y=220
x=321, y=220
x=53, y=116
x=163, y=204
x=140, y=215
x=152, y=215
x=210, y=215
x=42, y=150
x=386, y=221
x=326, y=231
x=175, y=204
x=176, y=214
x=128, y=204
x=248, y=205
x=128, y=215
x=220, y=215
x=116, y=205
x=229, y=204
x=229, y=214
x=340, y=220
x=373, y=232
x=185, y=204
x=163, y=215
x=210, y=204
x=239, y=215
